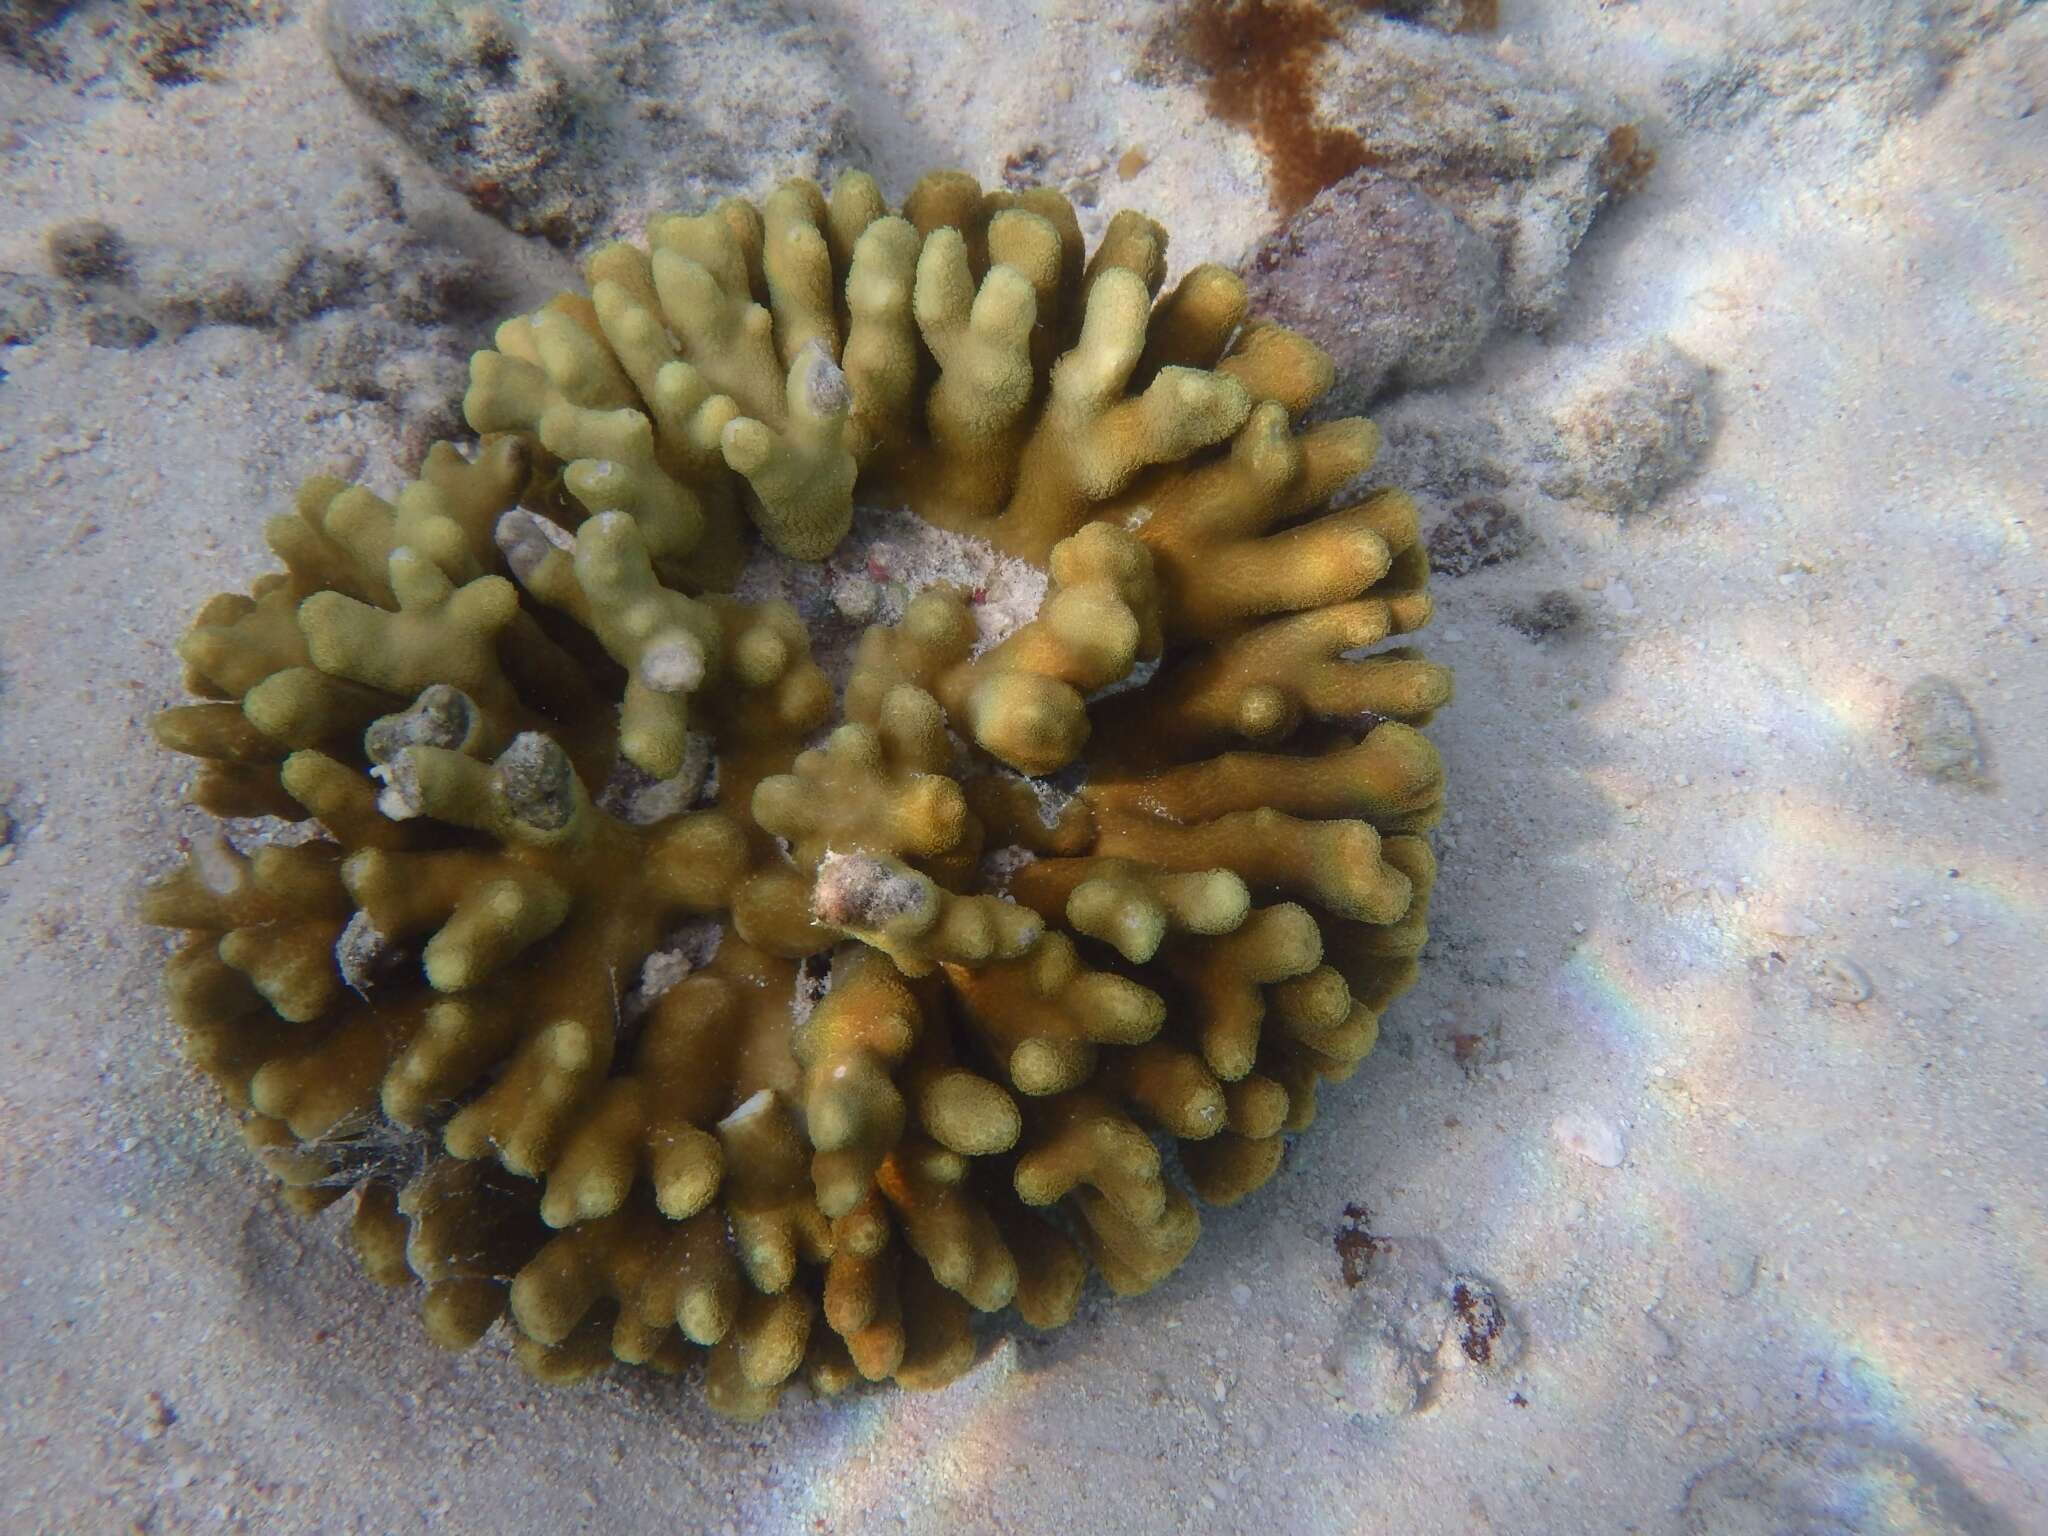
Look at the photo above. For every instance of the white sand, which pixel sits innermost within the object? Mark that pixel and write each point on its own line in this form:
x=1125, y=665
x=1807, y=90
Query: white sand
x=1808, y=1298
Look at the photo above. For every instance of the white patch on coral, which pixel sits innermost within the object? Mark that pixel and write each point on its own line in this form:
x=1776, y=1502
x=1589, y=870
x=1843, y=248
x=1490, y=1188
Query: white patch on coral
x=685, y=951
x=890, y=556
x=1000, y=865
x=632, y=796
x=216, y=864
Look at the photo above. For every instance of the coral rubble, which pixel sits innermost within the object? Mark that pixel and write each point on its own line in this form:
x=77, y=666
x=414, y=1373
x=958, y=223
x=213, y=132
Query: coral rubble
x=487, y=110
x=623, y=109
x=978, y=970
x=1630, y=428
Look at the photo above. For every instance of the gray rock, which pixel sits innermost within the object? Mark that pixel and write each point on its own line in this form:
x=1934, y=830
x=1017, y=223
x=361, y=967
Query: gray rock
x=1548, y=615
x=1938, y=731
x=1444, y=446
x=479, y=102
x=116, y=326
x=28, y=307
x=86, y=251
x=1631, y=428
x=1477, y=532
x=679, y=105
x=1393, y=285
x=1520, y=159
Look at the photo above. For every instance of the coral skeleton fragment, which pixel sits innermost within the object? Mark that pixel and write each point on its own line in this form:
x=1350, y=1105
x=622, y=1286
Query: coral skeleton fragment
x=538, y=740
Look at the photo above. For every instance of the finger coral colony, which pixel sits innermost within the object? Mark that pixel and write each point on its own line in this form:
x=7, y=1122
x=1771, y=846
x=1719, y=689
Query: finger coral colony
x=960, y=990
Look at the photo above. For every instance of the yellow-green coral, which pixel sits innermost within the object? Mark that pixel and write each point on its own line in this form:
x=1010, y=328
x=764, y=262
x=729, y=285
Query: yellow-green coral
x=941, y=1021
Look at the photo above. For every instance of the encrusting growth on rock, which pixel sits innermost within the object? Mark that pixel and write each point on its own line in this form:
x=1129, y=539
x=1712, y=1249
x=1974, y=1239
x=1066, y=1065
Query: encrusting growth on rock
x=495, y=694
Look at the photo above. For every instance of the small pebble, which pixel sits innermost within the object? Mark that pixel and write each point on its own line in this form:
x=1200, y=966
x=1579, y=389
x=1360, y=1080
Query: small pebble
x=1477, y=532
x=1938, y=730
x=1735, y=1272
x=157, y=1416
x=1548, y=616
x=1842, y=980
x=1595, y=1139
x=85, y=250
x=1241, y=1295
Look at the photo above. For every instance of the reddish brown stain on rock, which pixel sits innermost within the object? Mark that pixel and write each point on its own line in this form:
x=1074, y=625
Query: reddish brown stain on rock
x=1259, y=59
x=1355, y=1244
x=1476, y=1316
x=1627, y=161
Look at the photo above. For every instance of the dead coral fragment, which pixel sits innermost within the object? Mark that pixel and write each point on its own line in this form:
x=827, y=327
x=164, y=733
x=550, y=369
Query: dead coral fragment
x=889, y=1096
x=482, y=104
x=1632, y=429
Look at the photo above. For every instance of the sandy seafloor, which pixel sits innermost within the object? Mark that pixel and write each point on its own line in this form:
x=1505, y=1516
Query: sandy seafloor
x=1810, y=1297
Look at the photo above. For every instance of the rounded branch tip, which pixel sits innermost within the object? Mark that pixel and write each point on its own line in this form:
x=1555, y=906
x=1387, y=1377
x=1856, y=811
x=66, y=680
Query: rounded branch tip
x=442, y=716
x=673, y=666
x=826, y=391
x=538, y=782
x=525, y=539
x=402, y=797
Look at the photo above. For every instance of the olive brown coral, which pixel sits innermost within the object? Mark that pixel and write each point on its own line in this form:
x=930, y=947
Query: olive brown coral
x=981, y=980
